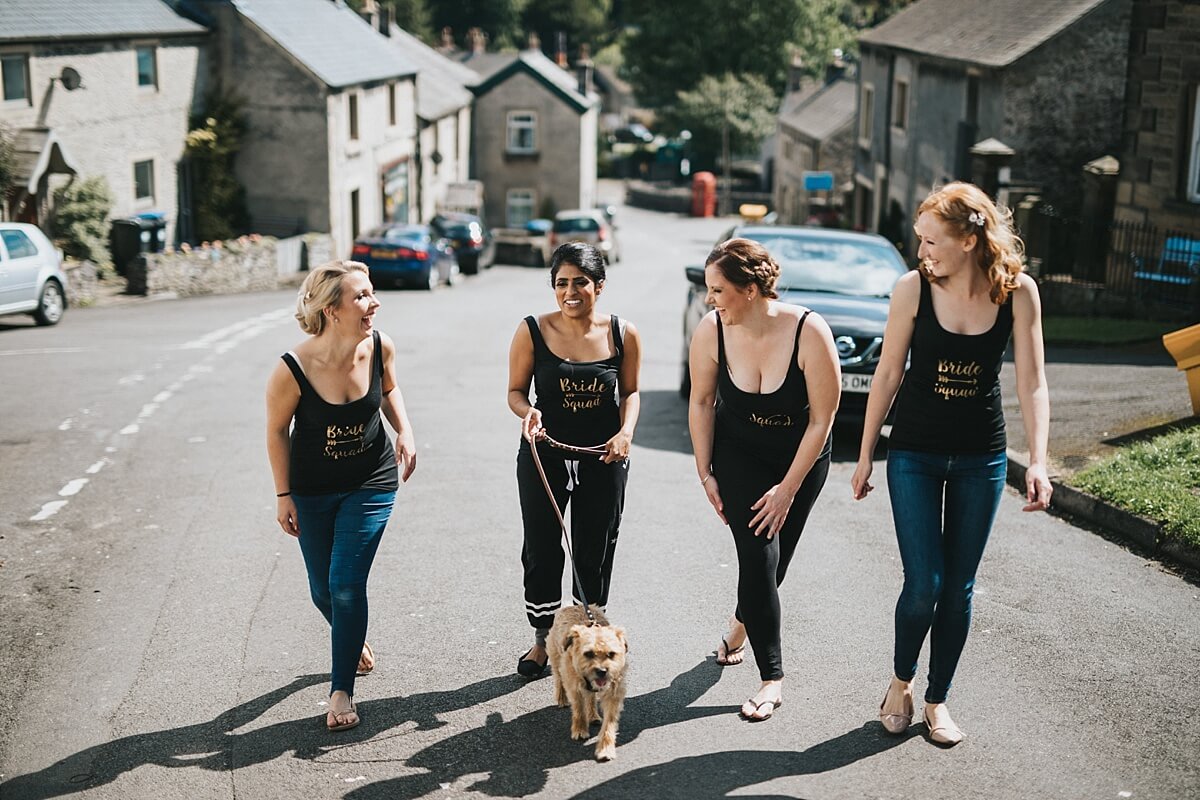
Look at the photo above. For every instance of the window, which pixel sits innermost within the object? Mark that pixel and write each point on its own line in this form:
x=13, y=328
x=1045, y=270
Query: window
x=866, y=114
x=391, y=104
x=143, y=180
x=353, y=101
x=18, y=244
x=15, y=69
x=1193, y=186
x=900, y=105
x=519, y=207
x=436, y=158
x=354, y=218
x=522, y=132
x=147, y=67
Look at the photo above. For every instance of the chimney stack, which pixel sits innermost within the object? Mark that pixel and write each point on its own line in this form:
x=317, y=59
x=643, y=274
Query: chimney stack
x=560, y=49
x=447, y=45
x=476, y=41
x=584, y=70
x=533, y=41
x=836, y=67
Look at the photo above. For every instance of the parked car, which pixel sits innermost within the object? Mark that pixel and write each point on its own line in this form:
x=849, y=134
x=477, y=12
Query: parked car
x=845, y=277
x=32, y=280
x=407, y=255
x=585, y=225
x=469, y=236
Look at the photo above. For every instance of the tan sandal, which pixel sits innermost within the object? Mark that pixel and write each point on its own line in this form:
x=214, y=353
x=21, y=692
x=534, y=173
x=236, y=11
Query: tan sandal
x=366, y=661
x=345, y=725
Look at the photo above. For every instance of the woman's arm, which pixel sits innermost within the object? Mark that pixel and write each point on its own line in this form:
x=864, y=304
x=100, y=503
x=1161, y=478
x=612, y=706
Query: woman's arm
x=520, y=377
x=823, y=378
x=395, y=413
x=283, y=395
x=1032, y=392
x=889, y=374
x=631, y=400
x=702, y=413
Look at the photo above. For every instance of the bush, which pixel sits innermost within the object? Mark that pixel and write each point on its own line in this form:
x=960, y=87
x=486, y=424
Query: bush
x=81, y=210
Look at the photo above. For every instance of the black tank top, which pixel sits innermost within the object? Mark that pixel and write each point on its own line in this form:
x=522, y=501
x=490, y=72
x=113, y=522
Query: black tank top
x=771, y=423
x=949, y=401
x=578, y=399
x=341, y=448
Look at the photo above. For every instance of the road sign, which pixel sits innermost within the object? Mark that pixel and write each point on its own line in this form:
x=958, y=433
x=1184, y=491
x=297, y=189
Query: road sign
x=818, y=181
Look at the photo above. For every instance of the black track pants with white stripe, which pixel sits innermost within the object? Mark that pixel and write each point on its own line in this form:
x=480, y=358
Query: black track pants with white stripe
x=595, y=492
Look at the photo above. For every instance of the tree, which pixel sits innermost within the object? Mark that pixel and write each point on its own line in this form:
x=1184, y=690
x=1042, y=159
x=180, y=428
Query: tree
x=411, y=15
x=8, y=159
x=212, y=146
x=583, y=22
x=81, y=210
x=737, y=111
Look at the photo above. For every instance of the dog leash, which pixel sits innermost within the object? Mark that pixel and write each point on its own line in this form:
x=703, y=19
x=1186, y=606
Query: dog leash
x=593, y=450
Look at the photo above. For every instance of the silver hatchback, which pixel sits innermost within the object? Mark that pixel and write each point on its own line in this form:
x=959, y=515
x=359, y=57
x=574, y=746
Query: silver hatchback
x=31, y=275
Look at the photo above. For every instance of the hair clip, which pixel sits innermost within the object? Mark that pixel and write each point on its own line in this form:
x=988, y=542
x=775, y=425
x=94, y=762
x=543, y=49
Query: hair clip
x=977, y=219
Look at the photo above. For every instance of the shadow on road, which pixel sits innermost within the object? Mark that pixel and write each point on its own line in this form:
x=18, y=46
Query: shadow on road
x=726, y=772
x=214, y=745
x=1146, y=434
x=663, y=425
x=517, y=755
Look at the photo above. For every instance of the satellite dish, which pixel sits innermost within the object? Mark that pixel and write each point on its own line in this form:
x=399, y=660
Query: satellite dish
x=70, y=79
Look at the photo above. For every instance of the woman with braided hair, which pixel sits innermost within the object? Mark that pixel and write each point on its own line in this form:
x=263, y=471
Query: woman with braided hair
x=765, y=388
x=951, y=320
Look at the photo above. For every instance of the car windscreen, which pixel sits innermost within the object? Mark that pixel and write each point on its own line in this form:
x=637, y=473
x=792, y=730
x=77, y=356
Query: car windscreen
x=405, y=236
x=833, y=265
x=460, y=231
x=575, y=225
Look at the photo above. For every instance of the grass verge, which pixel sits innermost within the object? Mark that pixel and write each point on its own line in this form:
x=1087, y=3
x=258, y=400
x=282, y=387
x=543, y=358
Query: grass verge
x=1102, y=330
x=1158, y=479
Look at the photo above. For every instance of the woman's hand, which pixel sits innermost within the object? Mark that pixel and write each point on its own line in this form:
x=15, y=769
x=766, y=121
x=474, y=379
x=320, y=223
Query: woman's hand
x=531, y=424
x=285, y=515
x=713, y=492
x=860, y=482
x=406, y=455
x=772, y=510
x=1037, y=488
x=617, y=447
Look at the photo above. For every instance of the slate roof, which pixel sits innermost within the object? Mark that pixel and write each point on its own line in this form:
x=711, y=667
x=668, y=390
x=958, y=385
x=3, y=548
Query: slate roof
x=331, y=41
x=826, y=111
x=989, y=33
x=494, y=68
x=441, y=82
x=41, y=20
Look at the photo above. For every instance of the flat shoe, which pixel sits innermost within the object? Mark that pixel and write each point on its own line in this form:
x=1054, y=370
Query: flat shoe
x=895, y=723
x=774, y=704
x=734, y=651
x=351, y=712
x=528, y=668
x=365, y=668
x=948, y=735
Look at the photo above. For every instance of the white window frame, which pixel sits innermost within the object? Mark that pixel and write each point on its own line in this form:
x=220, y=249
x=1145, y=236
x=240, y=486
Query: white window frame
x=24, y=60
x=509, y=203
x=515, y=123
x=900, y=104
x=137, y=68
x=144, y=201
x=1193, y=187
x=866, y=114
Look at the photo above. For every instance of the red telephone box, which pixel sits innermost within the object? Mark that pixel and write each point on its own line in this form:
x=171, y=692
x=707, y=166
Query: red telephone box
x=704, y=194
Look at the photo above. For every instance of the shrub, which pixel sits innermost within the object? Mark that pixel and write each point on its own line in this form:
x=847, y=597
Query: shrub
x=80, y=223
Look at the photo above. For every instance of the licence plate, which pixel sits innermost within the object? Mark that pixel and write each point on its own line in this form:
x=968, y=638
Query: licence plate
x=381, y=253
x=856, y=383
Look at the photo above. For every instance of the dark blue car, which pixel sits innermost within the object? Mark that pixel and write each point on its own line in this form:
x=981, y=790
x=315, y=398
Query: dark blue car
x=406, y=255
x=844, y=276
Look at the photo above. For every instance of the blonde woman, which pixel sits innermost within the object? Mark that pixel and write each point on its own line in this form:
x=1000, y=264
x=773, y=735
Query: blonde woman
x=952, y=319
x=335, y=470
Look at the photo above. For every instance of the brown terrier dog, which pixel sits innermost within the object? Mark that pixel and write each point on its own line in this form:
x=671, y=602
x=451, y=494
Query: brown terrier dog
x=589, y=668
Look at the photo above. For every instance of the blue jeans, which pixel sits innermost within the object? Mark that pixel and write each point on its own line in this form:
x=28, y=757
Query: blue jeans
x=943, y=507
x=339, y=534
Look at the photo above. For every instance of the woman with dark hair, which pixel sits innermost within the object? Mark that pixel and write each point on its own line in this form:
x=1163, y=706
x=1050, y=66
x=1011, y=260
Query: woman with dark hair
x=951, y=320
x=583, y=367
x=765, y=388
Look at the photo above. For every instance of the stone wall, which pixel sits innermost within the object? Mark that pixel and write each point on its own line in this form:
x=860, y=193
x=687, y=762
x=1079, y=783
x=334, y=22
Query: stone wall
x=248, y=264
x=82, y=283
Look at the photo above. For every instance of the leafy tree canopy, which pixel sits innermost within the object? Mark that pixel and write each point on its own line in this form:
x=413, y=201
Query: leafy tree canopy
x=743, y=107
x=582, y=22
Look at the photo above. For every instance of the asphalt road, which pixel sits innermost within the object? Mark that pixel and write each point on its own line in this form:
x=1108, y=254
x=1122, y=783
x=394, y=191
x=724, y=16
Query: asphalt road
x=158, y=640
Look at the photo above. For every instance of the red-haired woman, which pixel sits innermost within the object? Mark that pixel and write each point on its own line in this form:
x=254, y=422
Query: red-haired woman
x=952, y=320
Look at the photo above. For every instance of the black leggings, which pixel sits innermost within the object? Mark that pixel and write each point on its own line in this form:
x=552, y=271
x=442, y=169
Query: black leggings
x=762, y=563
x=596, y=492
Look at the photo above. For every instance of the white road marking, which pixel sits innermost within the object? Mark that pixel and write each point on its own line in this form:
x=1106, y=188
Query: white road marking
x=48, y=510
x=42, y=351
x=72, y=487
x=65, y=425
x=99, y=465
x=128, y=380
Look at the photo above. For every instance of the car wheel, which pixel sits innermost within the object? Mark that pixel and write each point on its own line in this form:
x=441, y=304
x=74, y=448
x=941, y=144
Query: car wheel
x=455, y=275
x=52, y=304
